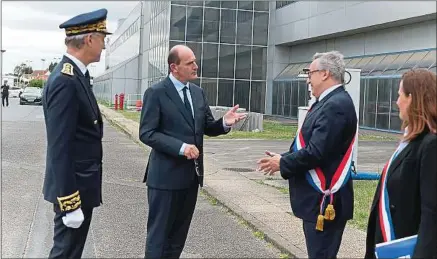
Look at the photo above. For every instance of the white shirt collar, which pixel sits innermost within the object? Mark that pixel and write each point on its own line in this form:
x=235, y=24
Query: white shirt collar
x=78, y=63
x=178, y=84
x=327, y=91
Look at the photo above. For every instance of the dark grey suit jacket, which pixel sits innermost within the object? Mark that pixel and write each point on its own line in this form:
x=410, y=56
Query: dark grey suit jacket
x=328, y=130
x=165, y=125
x=411, y=186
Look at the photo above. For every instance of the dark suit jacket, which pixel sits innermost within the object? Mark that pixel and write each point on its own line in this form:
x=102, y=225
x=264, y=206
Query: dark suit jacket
x=328, y=131
x=411, y=185
x=74, y=139
x=5, y=90
x=165, y=125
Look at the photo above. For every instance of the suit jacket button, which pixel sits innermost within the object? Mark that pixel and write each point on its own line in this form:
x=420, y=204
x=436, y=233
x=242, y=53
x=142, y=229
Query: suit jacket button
x=95, y=122
x=392, y=207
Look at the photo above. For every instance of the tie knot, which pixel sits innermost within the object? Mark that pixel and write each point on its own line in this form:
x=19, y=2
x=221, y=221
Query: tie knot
x=87, y=74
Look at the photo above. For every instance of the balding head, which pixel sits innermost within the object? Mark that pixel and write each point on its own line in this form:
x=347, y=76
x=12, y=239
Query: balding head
x=182, y=63
x=175, y=52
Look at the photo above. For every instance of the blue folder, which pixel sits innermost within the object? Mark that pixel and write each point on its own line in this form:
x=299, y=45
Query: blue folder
x=398, y=248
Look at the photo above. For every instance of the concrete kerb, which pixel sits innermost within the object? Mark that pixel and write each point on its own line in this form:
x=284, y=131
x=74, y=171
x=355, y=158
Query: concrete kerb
x=256, y=225
x=108, y=114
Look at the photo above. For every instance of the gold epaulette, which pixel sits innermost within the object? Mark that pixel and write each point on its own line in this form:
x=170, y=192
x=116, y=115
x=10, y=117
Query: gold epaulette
x=67, y=69
x=70, y=202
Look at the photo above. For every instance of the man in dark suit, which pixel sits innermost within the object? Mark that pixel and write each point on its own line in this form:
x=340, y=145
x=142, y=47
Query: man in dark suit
x=174, y=118
x=318, y=164
x=5, y=93
x=73, y=176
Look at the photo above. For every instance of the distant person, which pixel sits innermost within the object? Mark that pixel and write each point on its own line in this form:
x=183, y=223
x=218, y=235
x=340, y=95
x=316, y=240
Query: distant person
x=174, y=118
x=405, y=202
x=318, y=163
x=5, y=93
x=73, y=177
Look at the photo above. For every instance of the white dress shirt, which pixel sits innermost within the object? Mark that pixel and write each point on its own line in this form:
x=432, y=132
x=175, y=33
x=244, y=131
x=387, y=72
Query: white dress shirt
x=179, y=86
x=329, y=90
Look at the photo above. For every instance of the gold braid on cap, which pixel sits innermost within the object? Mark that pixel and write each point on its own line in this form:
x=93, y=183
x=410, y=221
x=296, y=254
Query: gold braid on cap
x=94, y=27
x=70, y=202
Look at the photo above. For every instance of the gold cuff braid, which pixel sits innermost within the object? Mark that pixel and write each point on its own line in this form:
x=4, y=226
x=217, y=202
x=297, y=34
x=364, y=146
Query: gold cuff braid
x=70, y=202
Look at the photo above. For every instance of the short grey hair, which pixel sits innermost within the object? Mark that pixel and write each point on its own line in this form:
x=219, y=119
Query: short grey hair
x=332, y=61
x=76, y=41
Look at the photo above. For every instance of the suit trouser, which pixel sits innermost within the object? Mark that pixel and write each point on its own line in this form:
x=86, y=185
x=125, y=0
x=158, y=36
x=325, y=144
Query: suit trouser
x=5, y=96
x=170, y=214
x=69, y=242
x=326, y=243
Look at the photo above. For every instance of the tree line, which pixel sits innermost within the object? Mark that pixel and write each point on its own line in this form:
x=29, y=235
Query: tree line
x=23, y=69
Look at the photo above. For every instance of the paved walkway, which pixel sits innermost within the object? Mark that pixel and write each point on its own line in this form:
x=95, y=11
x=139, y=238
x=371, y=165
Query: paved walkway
x=231, y=178
x=118, y=227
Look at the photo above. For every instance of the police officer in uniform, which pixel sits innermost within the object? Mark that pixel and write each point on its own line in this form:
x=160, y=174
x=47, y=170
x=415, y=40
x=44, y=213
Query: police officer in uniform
x=73, y=176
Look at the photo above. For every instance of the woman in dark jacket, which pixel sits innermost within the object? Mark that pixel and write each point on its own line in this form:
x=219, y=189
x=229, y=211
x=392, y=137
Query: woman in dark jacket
x=405, y=202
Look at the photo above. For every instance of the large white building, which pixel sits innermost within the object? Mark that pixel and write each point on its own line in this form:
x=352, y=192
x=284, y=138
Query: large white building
x=250, y=52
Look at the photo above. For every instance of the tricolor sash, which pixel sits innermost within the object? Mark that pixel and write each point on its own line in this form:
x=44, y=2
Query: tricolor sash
x=316, y=178
x=385, y=221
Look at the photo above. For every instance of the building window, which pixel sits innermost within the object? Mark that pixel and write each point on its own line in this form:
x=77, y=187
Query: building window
x=227, y=26
x=244, y=27
x=226, y=63
x=257, y=93
x=177, y=22
x=242, y=93
x=259, y=63
x=243, y=62
x=209, y=86
x=280, y=4
x=211, y=25
x=228, y=38
x=228, y=4
x=225, y=92
x=194, y=23
x=210, y=60
x=260, y=28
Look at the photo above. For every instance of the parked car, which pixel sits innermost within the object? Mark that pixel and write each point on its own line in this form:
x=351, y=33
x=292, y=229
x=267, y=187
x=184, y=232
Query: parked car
x=31, y=95
x=15, y=91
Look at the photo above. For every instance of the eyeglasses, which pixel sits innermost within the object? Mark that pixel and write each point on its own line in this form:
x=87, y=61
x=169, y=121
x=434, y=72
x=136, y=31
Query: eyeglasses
x=311, y=72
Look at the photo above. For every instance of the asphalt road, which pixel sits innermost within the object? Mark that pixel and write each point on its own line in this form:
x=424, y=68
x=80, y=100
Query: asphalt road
x=242, y=155
x=118, y=227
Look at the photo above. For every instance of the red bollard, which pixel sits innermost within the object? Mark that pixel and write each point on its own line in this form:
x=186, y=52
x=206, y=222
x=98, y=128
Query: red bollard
x=116, y=102
x=121, y=101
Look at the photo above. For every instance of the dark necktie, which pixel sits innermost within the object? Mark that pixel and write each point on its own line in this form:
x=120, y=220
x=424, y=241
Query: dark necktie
x=87, y=76
x=91, y=93
x=186, y=102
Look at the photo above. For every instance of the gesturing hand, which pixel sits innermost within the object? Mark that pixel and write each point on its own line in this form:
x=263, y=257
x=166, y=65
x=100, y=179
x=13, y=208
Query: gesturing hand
x=269, y=165
x=191, y=152
x=232, y=117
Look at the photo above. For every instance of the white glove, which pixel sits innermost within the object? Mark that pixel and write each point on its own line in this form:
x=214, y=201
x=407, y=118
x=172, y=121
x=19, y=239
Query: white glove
x=73, y=219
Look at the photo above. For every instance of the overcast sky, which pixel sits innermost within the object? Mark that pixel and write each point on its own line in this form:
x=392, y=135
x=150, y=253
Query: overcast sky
x=30, y=30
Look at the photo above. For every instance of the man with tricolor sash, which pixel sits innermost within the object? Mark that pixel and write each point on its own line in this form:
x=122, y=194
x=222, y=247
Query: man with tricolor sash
x=318, y=164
